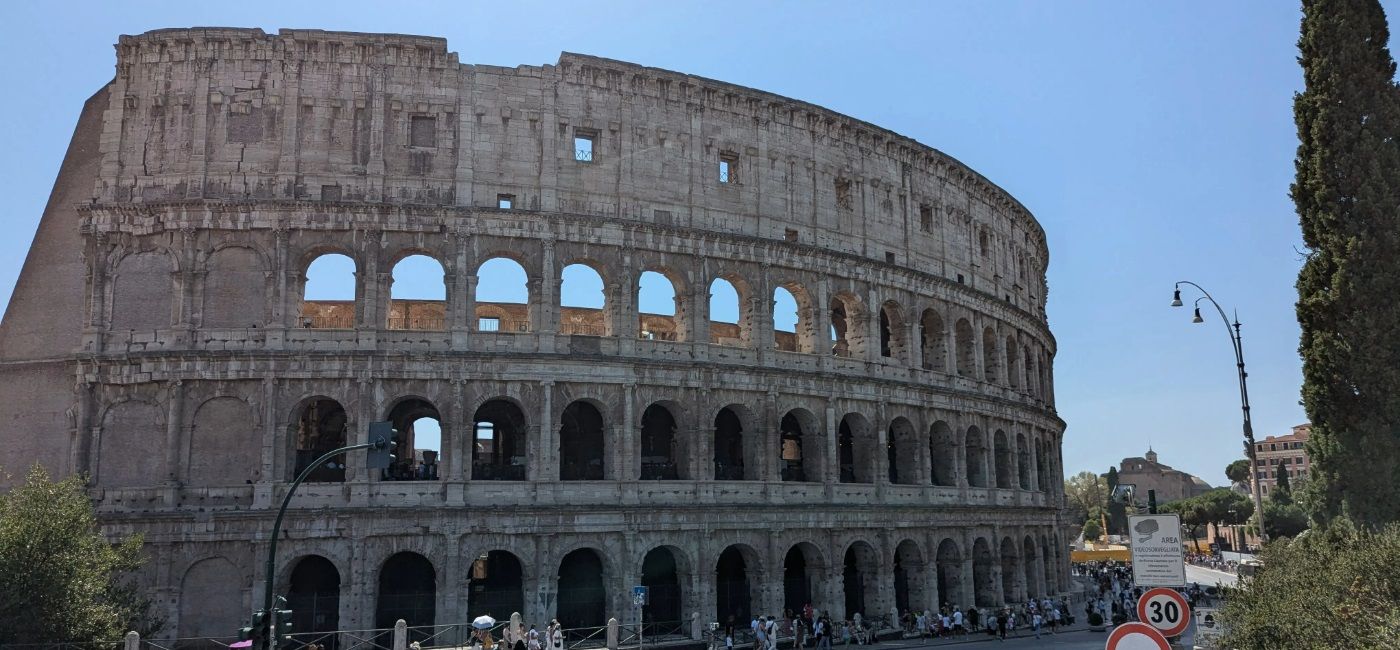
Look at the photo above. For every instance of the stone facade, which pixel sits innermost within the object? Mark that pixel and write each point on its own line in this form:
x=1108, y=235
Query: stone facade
x=899, y=448
x=1145, y=473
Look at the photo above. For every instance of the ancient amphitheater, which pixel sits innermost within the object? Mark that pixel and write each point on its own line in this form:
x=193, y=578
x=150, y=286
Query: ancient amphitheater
x=898, y=448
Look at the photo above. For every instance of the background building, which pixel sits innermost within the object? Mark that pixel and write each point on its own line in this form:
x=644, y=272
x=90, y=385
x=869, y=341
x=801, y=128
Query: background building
x=1145, y=473
x=1287, y=450
x=897, y=448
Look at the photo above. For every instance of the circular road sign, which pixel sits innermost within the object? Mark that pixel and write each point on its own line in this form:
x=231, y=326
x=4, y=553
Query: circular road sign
x=1165, y=610
x=1136, y=636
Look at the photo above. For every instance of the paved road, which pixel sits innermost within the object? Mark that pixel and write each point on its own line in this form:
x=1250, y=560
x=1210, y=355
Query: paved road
x=1208, y=577
x=1080, y=639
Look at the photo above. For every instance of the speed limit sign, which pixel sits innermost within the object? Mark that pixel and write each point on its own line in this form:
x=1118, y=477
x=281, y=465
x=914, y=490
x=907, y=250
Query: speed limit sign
x=1164, y=609
x=1136, y=636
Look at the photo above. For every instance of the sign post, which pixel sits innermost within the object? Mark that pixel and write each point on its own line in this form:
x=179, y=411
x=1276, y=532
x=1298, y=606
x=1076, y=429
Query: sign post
x=639, y=599
x=1166, y=610
x=1158, y=560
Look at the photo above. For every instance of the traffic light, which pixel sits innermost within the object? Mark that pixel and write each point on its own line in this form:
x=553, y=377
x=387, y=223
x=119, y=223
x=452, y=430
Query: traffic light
x=383, y=438
x=256, y=631
x=282, y=624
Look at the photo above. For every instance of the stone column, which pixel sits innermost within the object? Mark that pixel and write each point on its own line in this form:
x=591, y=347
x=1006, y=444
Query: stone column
x=832, y=456
x=699, y=439
x=548, y=290
x=769, y=460
x=459, y=436
x=625, y=454
x=969, y=574
x=174, y=419
x=542, y=463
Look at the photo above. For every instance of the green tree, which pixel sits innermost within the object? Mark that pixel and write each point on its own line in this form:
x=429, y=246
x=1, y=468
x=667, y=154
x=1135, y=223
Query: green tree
x=1347, y=194
x=1092, y=530
x=1084, y=492
x=1283, y=492
x=1238, y=471
x=60, y=580
x=1335, y=590
x=1111, y=479
x=1284, y=519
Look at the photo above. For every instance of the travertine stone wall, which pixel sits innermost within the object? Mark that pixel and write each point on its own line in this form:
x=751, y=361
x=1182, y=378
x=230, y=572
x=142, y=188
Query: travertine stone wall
x=227, y=160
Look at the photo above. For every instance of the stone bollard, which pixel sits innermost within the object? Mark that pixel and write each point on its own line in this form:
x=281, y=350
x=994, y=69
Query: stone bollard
x=695, y=629
x=401, y=635
x=612, y=634
x=133, y=641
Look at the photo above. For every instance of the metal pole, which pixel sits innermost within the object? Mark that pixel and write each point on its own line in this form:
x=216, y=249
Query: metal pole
x=277, y=528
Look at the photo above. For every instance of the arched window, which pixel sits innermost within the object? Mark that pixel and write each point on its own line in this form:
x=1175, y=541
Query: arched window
x=975, y=450
x=314, y=595
x=792, y=320
x=1003, y=458
x=583, y=302
x=1023, y=462
x=418, y=295
x=892, y=331
x=990, y=359
x=659, y=453
x=408, y=591
x=328, y=295
x=729, y=446
x=420, y=442
x=581, y=444
x=943, y=454
x=726, y=311
x=1013, y=363
x=967, y=357
x=502, y=297
x=855, y=446
x=320, y=427
x=932, y=341
x=659, y=308
x=498, y=442
x=902, y=446
x=497, y=585
x=847, y=327
x=583, y=594
x=800, y=447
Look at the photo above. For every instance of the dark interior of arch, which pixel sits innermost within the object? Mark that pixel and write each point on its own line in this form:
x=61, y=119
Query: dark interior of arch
x=581, y=443
x=659, y=444
x=840, y=345
x=892, y=458
x=884, y=334
x=411, y=463
x=314, y=595
x=408, y=591
x=949, y=574
x=985, y=592
x=793, y=467
x=663, y=585
x=497, y=587
x=732, y=599
x=321, y=428
x=797, y=585
x=729, y=446
x=853, y=576
x=582, y=596
x=942, y=455
x=498, y=442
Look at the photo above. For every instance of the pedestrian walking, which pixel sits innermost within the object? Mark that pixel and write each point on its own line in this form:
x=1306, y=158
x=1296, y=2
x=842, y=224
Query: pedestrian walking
x=1035, y=624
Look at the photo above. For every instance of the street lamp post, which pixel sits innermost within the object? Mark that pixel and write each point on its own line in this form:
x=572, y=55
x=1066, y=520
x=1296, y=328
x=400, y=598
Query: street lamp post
x=1233, y=330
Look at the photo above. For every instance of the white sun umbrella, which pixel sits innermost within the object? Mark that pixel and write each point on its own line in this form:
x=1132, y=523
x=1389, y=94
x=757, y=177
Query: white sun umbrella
x=483, y=622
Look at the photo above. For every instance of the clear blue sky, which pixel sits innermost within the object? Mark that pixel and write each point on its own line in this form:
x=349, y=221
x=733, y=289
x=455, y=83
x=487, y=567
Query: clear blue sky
x=1154, y=142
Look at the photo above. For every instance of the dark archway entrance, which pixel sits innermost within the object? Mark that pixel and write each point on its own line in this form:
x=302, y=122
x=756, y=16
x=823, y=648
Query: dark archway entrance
x=729, y=446
x=582, y=596
x=498, y=442
x=314, y=596
x=417, y=460
x=581, y=444
x=408, y=591
x=797, y=578
x=949, y=573
x=659, y=444
x=497, y=586
x=859, y=575
x=659, y=574
x=320, y=428
x=732, y=596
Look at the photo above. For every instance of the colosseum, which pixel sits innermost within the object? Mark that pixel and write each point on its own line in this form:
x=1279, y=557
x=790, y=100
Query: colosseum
x=890, y=445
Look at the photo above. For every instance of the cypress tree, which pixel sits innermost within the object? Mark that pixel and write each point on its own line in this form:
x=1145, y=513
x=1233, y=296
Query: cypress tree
x=1348, y=199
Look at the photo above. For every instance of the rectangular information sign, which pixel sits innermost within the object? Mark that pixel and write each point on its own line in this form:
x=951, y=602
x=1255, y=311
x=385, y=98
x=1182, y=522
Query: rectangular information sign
x=1158, y=559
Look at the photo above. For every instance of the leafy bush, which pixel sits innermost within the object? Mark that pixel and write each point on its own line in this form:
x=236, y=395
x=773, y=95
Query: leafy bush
x=1338, y=589
x=1095, y=618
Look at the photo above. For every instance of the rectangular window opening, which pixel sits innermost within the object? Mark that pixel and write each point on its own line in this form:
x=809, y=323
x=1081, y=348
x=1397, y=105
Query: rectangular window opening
x=728, y=166
x=505, y=201
x=488, y=324
x=889, y=257
x=925, y=217
x=583, y=146
x=789, y=234
x=422, y=131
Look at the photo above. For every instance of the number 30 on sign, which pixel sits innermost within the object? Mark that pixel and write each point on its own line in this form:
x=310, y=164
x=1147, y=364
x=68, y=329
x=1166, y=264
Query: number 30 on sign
x=1164, y=609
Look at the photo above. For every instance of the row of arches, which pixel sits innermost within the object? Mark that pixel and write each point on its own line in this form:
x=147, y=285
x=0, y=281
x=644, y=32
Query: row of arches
x=584, y=586
x=417, y=294
x=732, y=445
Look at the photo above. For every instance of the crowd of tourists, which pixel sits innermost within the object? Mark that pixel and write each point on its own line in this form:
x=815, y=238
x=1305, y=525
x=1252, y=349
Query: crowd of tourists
x=1116, y=596
x=518, y=637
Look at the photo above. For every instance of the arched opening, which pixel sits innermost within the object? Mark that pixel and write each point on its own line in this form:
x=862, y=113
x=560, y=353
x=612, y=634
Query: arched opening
x=729, y=315
x=847, y=325
x=408, y=591
x=976, y=451
x=662, y=580
x=991, y=360
x=986, y=590
x=967, y=356
x=855, y=445
x=892, y=343
x=417, y=295
x=582, y=596
x=660, y=310
x=1030, y=371
x=1023, y=462
x=1048, y=564
x=802, y=573
x=235, y=289
x=496, y=587
x=1002, y=456
x=320, y=428
x=933, y=341
x=1028, y=562
x=502, y=296
x=314, y=595
x=1041, y=472
x=581, y=443
x=328, y=293
x=903, y=451
x=949, y=573
x=800, y=447
x=943, y=454
x=583, y=302
x=1013, y=363
x=733, y=597
x=729, y=446
x=420, y=441
x=860, y=577
x=1010, y=571
x=792, y=320
x=205, y=609
x=909, y=593
x=659, y=445
x=498, y=442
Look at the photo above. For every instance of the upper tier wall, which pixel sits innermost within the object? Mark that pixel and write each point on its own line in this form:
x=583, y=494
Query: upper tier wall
x=308, y=114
